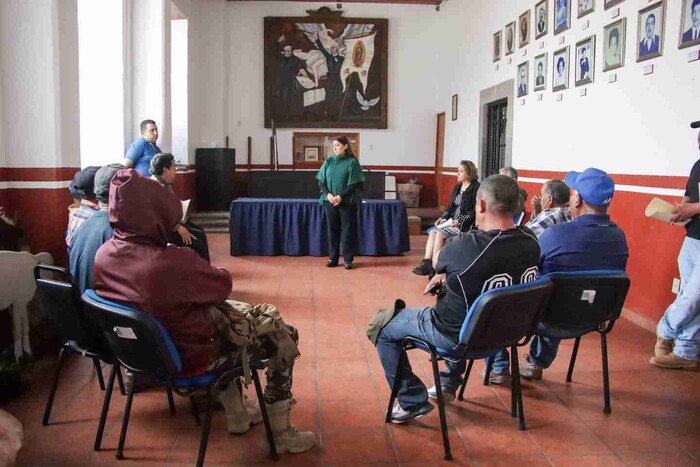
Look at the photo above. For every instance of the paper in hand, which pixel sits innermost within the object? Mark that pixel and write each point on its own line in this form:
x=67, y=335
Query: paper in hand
x=185, y=210
x=662, y=210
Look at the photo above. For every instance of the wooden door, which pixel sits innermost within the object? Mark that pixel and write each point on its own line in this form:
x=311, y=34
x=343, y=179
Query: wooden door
x=439, y=152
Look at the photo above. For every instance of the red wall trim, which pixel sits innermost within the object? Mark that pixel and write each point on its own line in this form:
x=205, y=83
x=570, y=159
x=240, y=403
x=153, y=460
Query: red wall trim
x=37, y=174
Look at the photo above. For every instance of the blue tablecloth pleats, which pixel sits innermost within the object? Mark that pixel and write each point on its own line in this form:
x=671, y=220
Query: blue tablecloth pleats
x=297, y=227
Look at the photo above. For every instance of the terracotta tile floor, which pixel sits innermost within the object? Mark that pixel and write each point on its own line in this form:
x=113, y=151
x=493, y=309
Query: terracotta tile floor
x=342, y=393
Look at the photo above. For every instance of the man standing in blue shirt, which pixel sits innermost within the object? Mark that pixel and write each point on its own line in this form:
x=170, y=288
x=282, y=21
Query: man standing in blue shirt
x=139, y=154
x=678, y=332
x=590, y=241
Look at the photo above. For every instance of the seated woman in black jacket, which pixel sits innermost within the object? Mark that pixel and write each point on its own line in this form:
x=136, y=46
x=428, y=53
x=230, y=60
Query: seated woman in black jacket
x=459, y=216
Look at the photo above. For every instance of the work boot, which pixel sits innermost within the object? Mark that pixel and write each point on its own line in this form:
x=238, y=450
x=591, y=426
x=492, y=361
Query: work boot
x=287, y=438
x=424, y=268
x=253, y=410
x=237, y=418
x=674, y=362
x=663, y=347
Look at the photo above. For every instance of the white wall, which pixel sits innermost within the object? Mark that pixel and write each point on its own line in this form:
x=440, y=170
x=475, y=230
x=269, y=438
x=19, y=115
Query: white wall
x=179, y=89
x=101, y=81
x=638, y=125
x=227, y=86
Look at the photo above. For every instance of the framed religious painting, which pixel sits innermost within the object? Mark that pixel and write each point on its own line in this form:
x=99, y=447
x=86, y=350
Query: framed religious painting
x=325, y=71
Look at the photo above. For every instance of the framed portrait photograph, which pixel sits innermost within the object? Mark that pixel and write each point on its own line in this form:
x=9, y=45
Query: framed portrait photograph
x=497, y=46
x=454, y=107
x=524, y=29
x=585, y=7
x=510, y=38
x=523, y=78
x=539, y=69
x=560, y=69
x=541, y=18
x=650, y=31
x=614, y=36
x=612, y=3
x=325, y=71
x=312, y=153
x=585, y=61
x=562, y=15
x=690, y=24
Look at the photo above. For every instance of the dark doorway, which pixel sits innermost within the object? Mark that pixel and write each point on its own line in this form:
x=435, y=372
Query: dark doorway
x=495, y=148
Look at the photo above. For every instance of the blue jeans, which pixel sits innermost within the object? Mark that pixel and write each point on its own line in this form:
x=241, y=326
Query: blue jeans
x=543, y=351
x=416, y=322
x=682, y=319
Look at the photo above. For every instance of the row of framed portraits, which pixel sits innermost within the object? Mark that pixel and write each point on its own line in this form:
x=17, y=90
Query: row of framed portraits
x=650, y=26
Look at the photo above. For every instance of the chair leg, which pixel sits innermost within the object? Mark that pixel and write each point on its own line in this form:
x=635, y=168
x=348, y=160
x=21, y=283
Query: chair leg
x=487, y=373
x=98, y=370
x=120, y=380
x=125, y=421
x=263, y=412
x=570, y=373
x=517, y=389
x=49, y=403
x=606, y=380
x=395, y=387
x=513, y=383
x=105, y=407
x=195, y=411
x=466, y=378
x=205, y=429
x=171, y=402
x=441, y=408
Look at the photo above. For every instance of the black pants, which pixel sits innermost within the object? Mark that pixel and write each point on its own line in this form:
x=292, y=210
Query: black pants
x=342, y=230
x=199, y=244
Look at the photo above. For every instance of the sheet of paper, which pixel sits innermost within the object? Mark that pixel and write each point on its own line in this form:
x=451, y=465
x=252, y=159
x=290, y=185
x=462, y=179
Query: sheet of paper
x=661, y=210
x=185, y=209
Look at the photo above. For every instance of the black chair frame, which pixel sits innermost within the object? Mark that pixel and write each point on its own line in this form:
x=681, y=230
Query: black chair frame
x=95, y=353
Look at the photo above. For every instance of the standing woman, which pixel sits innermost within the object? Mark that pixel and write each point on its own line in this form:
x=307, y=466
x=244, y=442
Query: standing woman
x=460, y=213
x=340, y=178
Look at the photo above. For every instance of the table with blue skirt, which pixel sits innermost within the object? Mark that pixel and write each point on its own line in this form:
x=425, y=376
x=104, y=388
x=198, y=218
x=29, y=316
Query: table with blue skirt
x=297, y=227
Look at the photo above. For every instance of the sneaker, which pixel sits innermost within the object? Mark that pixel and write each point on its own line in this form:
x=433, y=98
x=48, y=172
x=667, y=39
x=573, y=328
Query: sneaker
x=529, y=370
x=399, y=415
x=674, y=362
x=663, y=347
x=447, y=396
x=498, y=378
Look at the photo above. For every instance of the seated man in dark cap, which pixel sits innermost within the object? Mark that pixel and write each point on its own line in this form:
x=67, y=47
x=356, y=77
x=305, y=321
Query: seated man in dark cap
x=93, y=232
x=82, y=188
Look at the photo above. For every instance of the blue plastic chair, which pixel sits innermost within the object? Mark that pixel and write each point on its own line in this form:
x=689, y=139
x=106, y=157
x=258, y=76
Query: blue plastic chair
x=583, y=302
x=482, y=335
x=141, y=344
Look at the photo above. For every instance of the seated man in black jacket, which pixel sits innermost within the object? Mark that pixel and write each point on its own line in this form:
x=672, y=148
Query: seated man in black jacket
x=497, y=254
x=458, y=217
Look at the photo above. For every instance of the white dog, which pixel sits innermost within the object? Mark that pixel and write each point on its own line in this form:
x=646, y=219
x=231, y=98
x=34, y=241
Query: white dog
x=17, y=287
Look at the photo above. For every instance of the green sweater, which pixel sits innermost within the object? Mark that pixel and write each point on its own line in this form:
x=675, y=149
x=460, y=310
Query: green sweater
x=339, y=172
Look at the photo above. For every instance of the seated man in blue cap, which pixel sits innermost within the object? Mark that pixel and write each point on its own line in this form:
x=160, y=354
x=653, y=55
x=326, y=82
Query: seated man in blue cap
x=590, y=241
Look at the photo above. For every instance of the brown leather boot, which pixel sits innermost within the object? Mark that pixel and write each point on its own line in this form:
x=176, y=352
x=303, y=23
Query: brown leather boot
x=663, y=347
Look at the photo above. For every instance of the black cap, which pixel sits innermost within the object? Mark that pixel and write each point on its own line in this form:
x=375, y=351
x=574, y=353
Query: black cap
x=695, y=124
x=83, y=184
x=102, y=179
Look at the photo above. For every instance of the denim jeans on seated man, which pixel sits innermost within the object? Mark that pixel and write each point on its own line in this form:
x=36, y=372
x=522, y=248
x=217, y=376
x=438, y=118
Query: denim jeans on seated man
x=415, y=322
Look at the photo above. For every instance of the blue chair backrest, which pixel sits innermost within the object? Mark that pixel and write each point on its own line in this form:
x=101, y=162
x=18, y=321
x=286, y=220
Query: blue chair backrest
x=501, y=317
x=518, y=218
x=136, y=339
x=582, y=300
x=60, y=301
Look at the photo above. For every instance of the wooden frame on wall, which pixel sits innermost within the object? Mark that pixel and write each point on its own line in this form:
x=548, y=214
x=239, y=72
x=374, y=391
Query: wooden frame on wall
x=309, y=144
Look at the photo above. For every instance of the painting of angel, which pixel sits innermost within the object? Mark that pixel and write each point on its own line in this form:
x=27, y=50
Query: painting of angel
x=325, y=71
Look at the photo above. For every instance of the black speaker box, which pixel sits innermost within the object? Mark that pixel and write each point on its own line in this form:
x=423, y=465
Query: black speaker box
x=214, y=169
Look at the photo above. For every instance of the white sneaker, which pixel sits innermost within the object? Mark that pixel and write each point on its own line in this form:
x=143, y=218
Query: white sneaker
x=447, y=396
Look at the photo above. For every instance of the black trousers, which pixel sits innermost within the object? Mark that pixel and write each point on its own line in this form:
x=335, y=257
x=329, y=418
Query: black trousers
x=342, y=230
x=199, y=244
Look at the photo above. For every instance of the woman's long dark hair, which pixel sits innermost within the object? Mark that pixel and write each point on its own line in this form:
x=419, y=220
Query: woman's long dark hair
x=344, y=140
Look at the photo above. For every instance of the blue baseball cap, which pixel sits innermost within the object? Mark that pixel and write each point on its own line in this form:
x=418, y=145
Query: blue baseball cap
x=595, y=186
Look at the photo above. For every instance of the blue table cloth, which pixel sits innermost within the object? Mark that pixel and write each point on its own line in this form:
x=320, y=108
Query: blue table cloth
x=297, y=227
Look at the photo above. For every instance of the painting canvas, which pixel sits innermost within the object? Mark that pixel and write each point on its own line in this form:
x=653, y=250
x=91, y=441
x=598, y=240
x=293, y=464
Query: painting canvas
x=690, y=24
x=325, y=71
